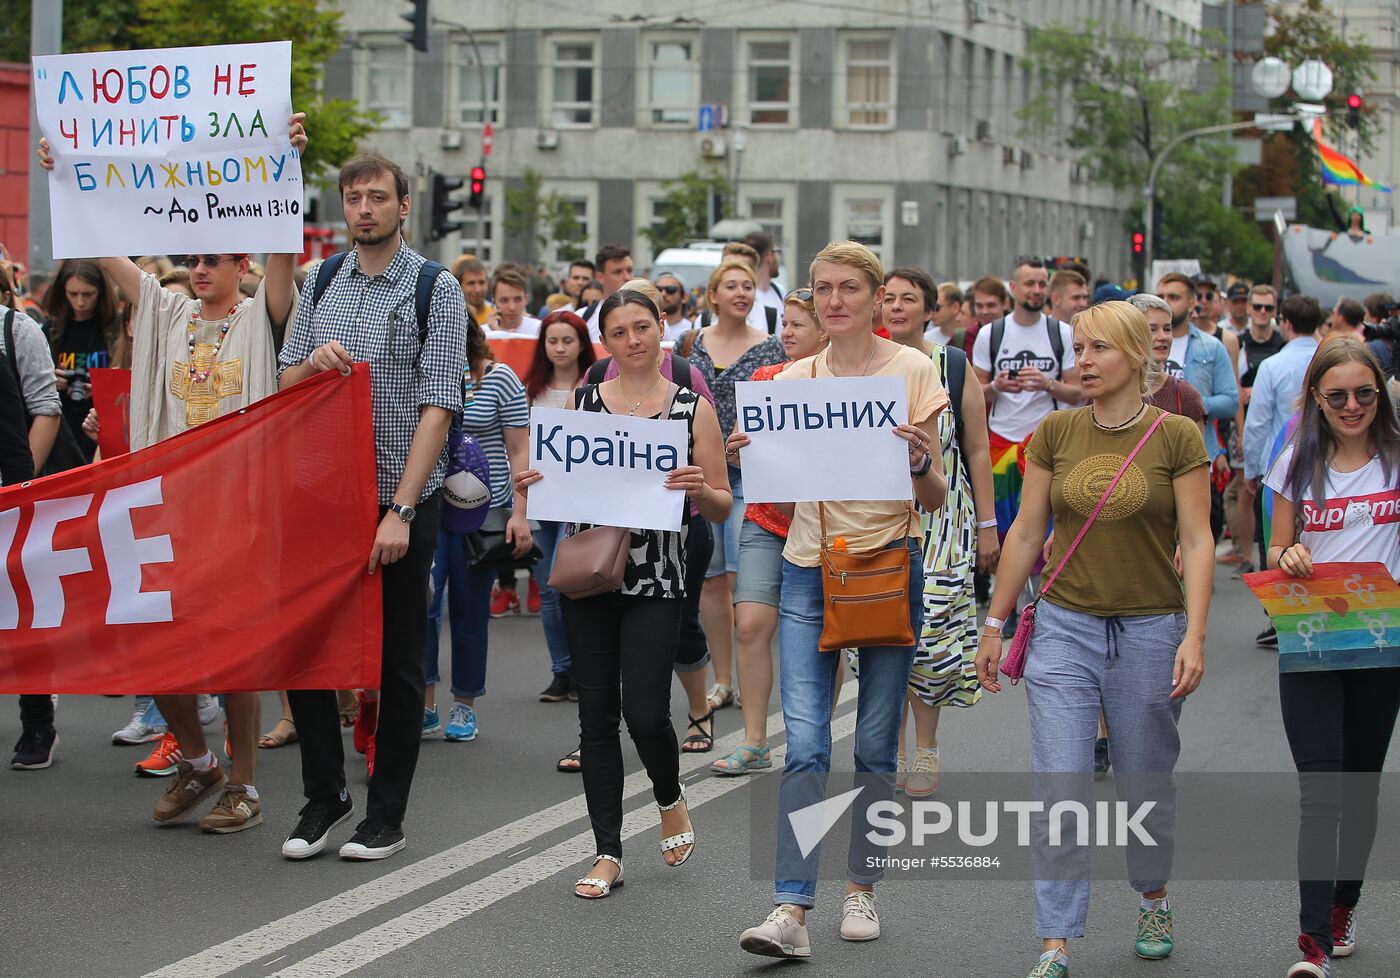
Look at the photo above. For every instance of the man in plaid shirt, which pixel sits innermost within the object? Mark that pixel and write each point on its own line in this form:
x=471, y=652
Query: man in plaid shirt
x=368, y=313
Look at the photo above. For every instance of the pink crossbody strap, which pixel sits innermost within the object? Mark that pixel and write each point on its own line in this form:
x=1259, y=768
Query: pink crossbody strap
x=1103, y=501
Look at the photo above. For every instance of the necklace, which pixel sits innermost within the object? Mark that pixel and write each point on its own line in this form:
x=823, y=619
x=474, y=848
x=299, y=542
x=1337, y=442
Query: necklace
x=868, y=360
x=633, y=412
x=200, y=376
x=1115, y=427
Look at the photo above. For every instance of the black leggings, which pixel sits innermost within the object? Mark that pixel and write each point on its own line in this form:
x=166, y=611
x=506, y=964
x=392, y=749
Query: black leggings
x=1336, y=721
x=623, y=648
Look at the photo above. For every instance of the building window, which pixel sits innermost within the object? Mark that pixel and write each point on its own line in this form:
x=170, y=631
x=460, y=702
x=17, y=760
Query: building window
x=865, y=223
x=387, y=91
x=769, y=213
x=770, y=83
x=471, y=75
x=870, y=83
x=565, y=252
x=672, y=97
x=478, y=234
x=573, y=84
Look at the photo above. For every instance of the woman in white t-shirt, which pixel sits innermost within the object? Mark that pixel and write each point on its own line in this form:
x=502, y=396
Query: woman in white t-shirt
x=1339, y=477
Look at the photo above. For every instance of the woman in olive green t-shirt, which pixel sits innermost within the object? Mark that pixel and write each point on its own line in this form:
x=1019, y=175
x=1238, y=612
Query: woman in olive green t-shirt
x=1115, y=630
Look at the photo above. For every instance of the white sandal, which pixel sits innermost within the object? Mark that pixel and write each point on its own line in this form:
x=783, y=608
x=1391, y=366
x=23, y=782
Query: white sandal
x=686, y=838
x=601, y=884
x=719, y=696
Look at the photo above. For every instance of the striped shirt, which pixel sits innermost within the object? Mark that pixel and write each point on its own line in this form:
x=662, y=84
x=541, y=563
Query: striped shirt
x=488, y=409
x=374, y=318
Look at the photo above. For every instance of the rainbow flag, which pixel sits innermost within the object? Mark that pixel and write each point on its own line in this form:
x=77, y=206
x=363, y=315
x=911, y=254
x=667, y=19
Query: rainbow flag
x=1008, y=471
x=1346, y=616
x=1339, y=170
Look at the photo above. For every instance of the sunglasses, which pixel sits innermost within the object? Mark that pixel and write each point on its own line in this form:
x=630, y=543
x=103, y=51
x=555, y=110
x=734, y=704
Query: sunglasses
x=1337, y=400
x=210, y=261
x=669, y=289
x=1205, y=296
x=802, y=295
x=1260, y=307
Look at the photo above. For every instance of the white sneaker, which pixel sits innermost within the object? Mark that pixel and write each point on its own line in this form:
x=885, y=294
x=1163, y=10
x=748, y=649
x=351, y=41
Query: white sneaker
x=141, y=728
x=780, y=936
x=858, y=919
x=208, y=709
x=923, y=776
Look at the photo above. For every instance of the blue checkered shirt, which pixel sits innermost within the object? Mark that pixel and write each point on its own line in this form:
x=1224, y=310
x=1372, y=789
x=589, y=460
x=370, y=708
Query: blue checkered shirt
x=374, y=318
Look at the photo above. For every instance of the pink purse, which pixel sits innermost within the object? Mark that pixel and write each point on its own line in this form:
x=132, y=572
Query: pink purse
x=1014, y=665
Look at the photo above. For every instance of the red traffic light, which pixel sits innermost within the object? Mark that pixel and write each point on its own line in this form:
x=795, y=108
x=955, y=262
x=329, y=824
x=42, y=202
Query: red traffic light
x=1353, y=101
x=478, y=178
x=1139, y=240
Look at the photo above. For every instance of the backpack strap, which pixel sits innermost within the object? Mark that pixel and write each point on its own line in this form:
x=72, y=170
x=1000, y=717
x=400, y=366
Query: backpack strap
x=680, y=371
x=1057, y=343
x=597, y=371
x=954, y=377
x=427, y=278
x=687, y=342
x=994, y=342
x=13, y=361
x=772, y=315
x=329, y=266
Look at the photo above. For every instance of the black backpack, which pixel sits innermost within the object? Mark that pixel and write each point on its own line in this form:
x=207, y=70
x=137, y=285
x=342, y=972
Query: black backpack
x=427, y=278
x=1057, y=346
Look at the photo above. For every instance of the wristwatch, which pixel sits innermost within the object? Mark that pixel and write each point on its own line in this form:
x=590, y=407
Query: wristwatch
x=923, y=468
x=405, y=513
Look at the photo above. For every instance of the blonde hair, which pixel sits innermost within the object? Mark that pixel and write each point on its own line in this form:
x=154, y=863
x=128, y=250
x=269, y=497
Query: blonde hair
x=643, y=286
x=806, y=305
x=558, y=300
x=1122, y=326
x=855, y=255
x=728, y=265
x=741, y=250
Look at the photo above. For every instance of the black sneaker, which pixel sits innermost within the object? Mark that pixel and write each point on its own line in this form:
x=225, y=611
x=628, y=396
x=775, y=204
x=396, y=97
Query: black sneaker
x=1267, y=639
x=373, y=840
x=34, y=750
x=558, y=690
x=1101, y=761
x=318, y=817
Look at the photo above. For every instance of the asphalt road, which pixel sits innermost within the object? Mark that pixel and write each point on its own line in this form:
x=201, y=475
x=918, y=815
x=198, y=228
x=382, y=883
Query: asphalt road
x=92, y=887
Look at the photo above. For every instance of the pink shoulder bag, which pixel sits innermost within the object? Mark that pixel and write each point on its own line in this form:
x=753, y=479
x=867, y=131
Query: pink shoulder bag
x=1014, y=665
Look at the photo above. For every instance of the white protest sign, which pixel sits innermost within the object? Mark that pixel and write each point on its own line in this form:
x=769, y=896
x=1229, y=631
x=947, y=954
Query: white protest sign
x=171, y=151
x=606, y=469
x=828, y=439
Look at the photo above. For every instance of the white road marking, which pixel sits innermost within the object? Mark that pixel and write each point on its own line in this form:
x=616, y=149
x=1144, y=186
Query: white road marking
x=392, y=935
x=279, y=935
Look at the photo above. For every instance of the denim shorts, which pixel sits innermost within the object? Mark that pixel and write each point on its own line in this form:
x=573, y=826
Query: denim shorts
x=760, y=565
x=725, y=559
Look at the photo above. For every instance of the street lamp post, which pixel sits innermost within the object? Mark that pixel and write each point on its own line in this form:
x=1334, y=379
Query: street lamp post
x=1149, y=192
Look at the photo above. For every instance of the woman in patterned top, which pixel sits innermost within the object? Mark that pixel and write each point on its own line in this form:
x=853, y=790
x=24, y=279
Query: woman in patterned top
x=760, y=576
x=727, y=351
x=495, y=412
x=624, y=642
x=955, y=541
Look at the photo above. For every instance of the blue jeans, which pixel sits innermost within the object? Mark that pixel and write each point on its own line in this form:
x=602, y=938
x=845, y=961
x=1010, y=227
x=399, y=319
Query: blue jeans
x=547, y=539
x=725, y=559
x=469, y=612
x=808, y=683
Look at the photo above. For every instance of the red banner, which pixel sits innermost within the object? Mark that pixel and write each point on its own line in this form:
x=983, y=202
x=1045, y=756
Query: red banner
x=230, y=558
x=111, y=396
x=517, y=352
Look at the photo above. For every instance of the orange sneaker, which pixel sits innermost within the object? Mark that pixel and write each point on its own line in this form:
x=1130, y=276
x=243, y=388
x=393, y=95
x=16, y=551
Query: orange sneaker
x=163, y=760
x=532, y=602
x=504, y=602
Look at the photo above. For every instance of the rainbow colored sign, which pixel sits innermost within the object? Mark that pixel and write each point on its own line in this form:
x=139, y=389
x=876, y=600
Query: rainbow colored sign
x=1346, y=616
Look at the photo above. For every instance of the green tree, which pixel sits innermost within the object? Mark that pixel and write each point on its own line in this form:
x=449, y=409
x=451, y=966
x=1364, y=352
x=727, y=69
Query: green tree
x=541, y=218
x=335, y=125
x=684, y=212
x=1128, y=96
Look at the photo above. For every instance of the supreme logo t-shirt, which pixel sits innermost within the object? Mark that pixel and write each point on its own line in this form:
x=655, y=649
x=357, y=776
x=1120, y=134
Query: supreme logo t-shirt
x=1358, y=521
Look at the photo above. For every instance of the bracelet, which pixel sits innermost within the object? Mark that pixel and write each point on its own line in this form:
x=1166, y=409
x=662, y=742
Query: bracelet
x=997, y=623
x=987, y=524
x=923, y=469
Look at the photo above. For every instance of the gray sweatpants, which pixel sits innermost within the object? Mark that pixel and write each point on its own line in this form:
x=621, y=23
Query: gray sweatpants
x=1078, y=663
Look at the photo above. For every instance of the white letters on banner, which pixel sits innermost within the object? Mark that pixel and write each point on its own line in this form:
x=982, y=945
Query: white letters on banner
x=606, y=469
x=827, y=439
x=171, y=151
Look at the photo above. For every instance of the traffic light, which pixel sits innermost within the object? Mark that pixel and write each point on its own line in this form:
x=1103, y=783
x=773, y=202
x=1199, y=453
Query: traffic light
x=1354, y=110
x=1139, y=241
x=478, y=197
x=444, y=205
x=1139, y=257
x=418, y=37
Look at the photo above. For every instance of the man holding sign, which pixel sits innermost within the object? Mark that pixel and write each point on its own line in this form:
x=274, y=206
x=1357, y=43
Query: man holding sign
x=194, y=360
